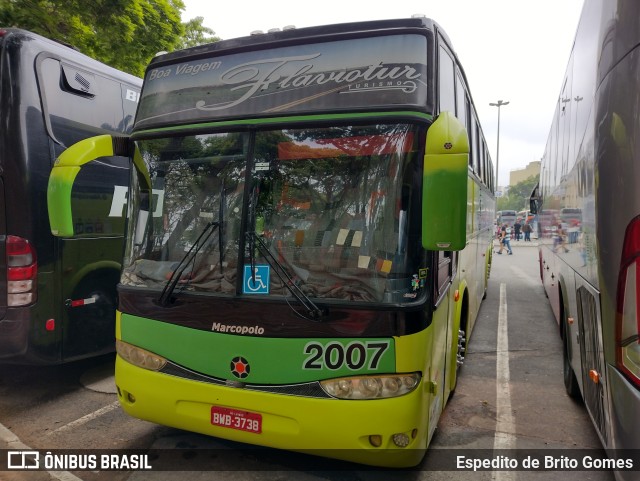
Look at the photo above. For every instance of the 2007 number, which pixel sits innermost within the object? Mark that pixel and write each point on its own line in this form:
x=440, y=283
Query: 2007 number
x=335, y=355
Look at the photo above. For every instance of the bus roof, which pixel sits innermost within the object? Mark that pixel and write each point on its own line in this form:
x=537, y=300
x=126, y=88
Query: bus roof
x=294, y=35
x=21, y=36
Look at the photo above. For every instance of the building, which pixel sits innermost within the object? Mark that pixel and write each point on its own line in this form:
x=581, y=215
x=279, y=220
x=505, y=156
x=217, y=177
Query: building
x=517, y=176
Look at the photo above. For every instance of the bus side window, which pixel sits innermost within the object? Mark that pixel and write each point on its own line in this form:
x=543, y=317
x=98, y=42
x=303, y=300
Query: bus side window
x=454, y=263
x=77, y=104
x=447, y=94
x=473, y=140
x=462, y=104
x=486, y=166
x=445, y=263
x=480, y=161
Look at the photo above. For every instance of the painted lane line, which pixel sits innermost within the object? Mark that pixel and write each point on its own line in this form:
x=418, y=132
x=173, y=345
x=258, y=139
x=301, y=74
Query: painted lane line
x=13, y=443
x=6, y=436
x=505, y=422
x=86, y=419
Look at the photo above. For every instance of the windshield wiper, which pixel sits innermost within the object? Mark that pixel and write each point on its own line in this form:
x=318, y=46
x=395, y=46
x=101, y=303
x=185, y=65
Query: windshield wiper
x=170, y=286
x=315, y=312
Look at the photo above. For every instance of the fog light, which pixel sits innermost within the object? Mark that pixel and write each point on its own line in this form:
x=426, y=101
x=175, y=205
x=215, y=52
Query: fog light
x=375, y=440
x=401, y=440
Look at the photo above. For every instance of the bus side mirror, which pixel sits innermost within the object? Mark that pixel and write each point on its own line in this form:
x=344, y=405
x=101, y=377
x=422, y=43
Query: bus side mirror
x=534, y=200
x=444, y=194
x=65, y=171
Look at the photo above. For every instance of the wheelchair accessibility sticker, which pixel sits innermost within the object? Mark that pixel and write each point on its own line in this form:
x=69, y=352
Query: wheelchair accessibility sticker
x=258, y=283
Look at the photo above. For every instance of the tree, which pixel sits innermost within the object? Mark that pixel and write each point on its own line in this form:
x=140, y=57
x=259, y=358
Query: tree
x=125, y=34
x=196, y=34
x=518, y=196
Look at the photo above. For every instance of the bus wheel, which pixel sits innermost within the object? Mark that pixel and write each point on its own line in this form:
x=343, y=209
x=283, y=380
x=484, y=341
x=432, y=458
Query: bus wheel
x=570, y=381
x=462, y=349
x=487, y=273
x=486, y=286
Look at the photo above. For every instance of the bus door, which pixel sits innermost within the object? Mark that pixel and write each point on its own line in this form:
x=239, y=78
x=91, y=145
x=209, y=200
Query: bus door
x=440, y=327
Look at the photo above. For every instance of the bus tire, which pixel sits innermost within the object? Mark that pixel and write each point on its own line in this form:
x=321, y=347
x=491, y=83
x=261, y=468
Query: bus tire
x=461, y=348
x=487, y=270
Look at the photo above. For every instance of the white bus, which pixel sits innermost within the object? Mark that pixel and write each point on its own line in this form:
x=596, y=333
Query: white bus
x=588, y=182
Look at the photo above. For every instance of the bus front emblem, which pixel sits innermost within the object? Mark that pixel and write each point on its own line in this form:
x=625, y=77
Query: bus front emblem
x=240, y=367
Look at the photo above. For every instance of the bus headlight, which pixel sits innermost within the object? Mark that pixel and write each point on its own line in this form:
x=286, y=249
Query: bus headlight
x=371, y=387
x=139, y=357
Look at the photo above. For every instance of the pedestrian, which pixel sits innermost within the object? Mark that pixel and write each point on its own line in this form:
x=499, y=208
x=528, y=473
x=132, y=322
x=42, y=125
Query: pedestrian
x=560, y=239
x=526, y=229
x=501, y=231
x=505, y=239
x=573, y=231
x=517, y=227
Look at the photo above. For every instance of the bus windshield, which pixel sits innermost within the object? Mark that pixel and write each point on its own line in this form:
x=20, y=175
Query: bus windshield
x=336, y=207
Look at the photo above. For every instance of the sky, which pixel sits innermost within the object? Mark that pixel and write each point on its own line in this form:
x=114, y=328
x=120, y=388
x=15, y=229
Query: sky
x=511, y=50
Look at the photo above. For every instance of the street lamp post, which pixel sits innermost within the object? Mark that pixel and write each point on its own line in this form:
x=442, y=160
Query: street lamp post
x=499, y=104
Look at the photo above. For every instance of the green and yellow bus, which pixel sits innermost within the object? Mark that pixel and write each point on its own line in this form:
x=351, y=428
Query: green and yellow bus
x=309, y=238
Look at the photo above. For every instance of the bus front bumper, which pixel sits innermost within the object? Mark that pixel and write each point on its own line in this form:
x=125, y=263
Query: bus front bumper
x=340, y=429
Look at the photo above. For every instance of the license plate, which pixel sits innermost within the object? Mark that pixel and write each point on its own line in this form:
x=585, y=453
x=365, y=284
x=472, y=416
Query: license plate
x=236, y=419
